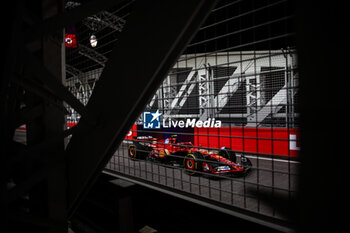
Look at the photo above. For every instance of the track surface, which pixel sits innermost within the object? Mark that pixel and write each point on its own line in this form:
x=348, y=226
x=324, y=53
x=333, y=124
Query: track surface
x=270, y=178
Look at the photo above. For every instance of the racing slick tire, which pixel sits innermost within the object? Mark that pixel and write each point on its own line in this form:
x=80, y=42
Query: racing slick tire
x=137, y=151
x=193, y=163
x=228, y=154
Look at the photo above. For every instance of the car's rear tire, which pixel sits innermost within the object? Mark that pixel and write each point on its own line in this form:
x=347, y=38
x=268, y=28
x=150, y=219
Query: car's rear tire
x=132, y=151
x=193, y=163
x=228, y=154
x=137, y=152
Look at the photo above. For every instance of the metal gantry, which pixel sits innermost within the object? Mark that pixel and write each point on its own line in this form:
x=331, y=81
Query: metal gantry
x=92, y=54
x=100, y=20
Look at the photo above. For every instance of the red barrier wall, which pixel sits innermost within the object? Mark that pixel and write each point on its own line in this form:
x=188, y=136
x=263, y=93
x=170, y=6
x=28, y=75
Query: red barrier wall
x=270, y=141
x=275, y=141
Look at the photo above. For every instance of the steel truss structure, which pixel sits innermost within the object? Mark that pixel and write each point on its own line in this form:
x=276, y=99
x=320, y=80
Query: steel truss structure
x=42, y=180
x=100, y=20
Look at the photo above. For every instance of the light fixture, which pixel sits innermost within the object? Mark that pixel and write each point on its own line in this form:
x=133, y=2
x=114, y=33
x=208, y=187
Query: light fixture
x=93, y=41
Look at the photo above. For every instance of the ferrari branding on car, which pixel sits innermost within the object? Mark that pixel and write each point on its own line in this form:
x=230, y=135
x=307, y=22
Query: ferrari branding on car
x=152, y=120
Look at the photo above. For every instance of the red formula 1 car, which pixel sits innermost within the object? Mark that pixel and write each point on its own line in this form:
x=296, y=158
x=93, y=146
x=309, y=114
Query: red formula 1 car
x=195, y=160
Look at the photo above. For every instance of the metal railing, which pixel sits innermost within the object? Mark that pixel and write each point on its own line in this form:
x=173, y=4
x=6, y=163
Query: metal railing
x=241, y=69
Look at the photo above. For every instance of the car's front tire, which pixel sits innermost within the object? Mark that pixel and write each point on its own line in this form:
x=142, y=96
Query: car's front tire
x=193, y=163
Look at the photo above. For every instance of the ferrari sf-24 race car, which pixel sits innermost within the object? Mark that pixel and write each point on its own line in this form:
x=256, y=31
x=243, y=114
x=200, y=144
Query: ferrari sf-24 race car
x=195, y=160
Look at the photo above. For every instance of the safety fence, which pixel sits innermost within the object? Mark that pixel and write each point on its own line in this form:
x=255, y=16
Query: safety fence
x=223, y=126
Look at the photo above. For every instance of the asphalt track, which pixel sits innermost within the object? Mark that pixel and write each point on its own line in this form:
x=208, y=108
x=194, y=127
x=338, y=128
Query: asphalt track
x=269, y=181
x=273, y=178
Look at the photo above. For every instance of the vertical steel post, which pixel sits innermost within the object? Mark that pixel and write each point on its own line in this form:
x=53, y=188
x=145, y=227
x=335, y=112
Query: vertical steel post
x=53, y=56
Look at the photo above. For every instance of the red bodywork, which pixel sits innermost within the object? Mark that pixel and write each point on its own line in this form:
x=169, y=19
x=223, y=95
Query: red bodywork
x=169, y=147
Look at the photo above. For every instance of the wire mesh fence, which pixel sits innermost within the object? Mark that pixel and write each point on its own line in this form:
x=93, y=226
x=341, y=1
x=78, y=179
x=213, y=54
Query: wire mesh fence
x=224, y=123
